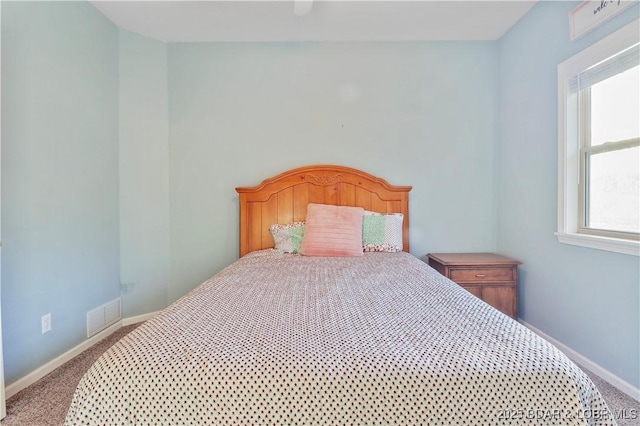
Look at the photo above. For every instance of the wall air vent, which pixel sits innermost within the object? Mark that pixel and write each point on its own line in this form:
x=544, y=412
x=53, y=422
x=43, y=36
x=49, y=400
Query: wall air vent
x=103, y=316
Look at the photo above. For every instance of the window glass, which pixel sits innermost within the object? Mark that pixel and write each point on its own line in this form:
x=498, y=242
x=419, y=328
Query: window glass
x=613, y=192
x=615, y=108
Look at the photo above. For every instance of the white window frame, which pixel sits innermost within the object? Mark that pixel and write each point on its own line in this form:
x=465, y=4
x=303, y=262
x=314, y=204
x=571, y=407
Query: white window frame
x=569, y=144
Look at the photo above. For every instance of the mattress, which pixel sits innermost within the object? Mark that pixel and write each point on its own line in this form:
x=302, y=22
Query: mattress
x=379, y=339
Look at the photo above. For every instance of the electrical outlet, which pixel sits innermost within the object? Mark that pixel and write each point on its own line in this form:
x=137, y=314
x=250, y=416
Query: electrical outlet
x=46, y=323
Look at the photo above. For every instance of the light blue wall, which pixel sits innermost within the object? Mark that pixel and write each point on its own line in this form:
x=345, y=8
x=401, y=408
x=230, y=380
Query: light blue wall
x=59, y=176
x=420, y=114
x=588, y=299
x=92, y=174
x=471, y=125
x=144, y=174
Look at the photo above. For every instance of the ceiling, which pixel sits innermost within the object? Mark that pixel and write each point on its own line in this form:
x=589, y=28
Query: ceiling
x=327, y=20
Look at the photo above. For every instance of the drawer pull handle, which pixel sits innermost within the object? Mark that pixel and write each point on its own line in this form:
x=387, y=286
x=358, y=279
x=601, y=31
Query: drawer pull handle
x=481, y=275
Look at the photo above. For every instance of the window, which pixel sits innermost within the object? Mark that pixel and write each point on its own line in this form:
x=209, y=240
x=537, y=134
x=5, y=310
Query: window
x=599, y=140
x=609, y=135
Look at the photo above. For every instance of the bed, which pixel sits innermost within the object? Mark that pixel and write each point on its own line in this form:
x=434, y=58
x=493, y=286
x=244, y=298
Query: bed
x=289, y=339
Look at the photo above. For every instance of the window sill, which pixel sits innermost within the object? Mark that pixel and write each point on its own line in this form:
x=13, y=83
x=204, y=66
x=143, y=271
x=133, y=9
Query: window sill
x=616, y=245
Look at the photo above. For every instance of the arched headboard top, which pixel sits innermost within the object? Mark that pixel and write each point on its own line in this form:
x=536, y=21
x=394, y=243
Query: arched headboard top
x=284, y=199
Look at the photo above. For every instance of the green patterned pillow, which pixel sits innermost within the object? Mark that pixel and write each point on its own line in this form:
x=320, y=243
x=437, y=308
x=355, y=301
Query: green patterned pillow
x=287, y=238
x=382, y=232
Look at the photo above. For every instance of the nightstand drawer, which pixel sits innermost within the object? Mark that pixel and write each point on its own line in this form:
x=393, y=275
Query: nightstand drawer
x=491, y=277
x=481, y=274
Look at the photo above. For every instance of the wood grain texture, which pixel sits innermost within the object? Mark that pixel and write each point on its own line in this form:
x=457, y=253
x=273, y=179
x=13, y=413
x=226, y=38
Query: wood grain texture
x=284, y=198
x=489, y=276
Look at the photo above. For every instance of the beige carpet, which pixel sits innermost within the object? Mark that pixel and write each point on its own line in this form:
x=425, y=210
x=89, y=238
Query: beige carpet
x=45, y=402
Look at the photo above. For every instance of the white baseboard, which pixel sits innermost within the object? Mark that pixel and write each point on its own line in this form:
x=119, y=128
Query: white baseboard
x=577, y=357
x=139, y=318
x=47, y=368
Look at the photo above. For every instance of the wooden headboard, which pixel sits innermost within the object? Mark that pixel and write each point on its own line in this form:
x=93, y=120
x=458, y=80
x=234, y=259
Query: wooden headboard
x=284, y=198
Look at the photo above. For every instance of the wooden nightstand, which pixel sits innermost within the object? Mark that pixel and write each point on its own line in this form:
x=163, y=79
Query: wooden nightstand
x=491, y=277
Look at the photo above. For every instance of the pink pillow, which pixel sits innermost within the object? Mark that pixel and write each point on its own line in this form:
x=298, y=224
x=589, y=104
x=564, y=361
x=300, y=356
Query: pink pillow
x=332, y=231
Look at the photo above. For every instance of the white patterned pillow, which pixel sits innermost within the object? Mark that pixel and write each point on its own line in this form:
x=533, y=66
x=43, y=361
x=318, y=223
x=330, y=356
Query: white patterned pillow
x=382, y=232
x=287, y=238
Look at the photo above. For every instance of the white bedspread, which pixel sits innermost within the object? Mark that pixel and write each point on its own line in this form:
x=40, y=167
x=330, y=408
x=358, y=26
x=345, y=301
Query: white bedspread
x=382, y=339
